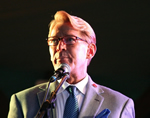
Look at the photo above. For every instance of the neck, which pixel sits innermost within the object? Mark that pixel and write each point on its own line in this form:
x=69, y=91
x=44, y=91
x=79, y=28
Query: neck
x=75, y=78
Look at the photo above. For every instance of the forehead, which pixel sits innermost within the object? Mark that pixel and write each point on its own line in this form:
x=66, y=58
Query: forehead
x=62, y=29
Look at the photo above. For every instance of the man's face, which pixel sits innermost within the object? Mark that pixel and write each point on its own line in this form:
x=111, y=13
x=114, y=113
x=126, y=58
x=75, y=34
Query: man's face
x=74, y=55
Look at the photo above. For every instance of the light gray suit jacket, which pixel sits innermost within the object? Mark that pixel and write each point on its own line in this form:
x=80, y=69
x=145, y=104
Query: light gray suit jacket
x=26, y=103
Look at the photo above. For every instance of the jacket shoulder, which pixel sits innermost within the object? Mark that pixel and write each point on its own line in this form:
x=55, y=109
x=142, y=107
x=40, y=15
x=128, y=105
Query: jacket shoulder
x=113, y=93
x=32, y=90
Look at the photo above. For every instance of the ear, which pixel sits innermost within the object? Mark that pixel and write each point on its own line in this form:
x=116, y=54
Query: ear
x=91, y=51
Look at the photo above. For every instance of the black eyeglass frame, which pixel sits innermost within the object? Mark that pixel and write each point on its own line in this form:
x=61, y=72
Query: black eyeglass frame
x=62, y=38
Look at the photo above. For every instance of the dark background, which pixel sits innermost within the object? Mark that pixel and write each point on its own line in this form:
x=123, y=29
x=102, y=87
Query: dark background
x=123, y=51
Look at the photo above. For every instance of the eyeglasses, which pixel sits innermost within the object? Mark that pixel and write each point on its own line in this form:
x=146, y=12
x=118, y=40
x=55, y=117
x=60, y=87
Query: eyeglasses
x=68, y=40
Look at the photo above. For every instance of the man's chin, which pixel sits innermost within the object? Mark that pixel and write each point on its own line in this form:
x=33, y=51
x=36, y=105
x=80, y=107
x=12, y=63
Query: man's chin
x=60, y=61
x=57, y=62
x=56, y=66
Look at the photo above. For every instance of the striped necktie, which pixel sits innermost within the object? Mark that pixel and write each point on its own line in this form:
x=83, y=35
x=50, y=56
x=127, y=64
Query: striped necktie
x=71, y=107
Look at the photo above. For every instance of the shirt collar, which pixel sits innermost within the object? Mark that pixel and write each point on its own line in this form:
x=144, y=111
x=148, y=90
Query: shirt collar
x=80, y=85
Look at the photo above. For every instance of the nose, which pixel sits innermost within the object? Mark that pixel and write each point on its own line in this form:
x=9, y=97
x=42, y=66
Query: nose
x=61, y=45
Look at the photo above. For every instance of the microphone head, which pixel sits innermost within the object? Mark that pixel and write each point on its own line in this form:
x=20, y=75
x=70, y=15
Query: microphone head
x=65, y=67
x=62, y=68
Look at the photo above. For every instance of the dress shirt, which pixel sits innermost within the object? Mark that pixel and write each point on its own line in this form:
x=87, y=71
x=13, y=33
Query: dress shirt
x=63, y=94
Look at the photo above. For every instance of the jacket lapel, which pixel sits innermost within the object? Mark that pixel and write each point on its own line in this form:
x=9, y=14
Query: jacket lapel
x=41, y=94
x=42, y=91
x=92, y=101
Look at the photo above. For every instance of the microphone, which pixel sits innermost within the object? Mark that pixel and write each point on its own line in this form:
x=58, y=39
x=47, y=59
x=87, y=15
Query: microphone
x=58, y=74
x=62, y=69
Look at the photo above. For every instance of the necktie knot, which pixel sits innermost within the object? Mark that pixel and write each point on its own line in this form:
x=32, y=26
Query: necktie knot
x=71, y=89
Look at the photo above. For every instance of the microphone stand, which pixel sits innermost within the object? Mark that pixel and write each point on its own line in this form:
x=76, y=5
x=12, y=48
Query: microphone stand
x=49, y=103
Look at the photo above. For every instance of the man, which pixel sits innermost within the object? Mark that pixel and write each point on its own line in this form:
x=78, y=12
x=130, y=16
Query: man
x=72, y=41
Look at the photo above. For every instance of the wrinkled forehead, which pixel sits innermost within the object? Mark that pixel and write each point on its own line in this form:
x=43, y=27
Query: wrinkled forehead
x=63, y=29
x=57, y=27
